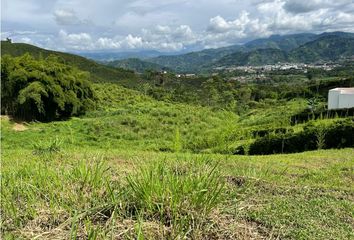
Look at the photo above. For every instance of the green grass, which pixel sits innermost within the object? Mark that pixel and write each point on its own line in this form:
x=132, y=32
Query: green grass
x=137, y=168
x=112, y=192
x=128, y=119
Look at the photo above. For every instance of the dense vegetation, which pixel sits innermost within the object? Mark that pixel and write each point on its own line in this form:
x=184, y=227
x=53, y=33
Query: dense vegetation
x=43, y=89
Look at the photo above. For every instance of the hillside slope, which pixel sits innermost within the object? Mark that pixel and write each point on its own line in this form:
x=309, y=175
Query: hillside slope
x=326, y=48
x=137, y=65
x=329, y=47
x=256, y=57
x=285, y=43
x=98, y=72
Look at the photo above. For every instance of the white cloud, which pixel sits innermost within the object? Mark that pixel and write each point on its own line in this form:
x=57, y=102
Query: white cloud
x=225, y=32
x=107, y=43
x=170, y=25
x=66, y=17
x=132, y=42
x=278, y=17
x=78, y=41
x=218, y=24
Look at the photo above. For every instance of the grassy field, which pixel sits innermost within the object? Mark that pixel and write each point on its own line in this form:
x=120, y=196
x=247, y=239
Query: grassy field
x=137, y=168
x=91, y=193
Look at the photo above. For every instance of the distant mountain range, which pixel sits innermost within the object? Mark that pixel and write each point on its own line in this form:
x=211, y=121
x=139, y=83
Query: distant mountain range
x=306, y=48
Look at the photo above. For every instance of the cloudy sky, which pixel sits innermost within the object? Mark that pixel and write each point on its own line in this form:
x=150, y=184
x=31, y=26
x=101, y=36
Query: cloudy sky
x=168, y=25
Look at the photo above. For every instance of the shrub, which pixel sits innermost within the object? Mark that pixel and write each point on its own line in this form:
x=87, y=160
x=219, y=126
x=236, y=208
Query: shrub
x=339, y=134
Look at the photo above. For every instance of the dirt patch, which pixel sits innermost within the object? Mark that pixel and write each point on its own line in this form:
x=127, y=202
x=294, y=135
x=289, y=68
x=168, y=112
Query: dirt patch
x=227, y=227
x=238, y=181
x=19, y=127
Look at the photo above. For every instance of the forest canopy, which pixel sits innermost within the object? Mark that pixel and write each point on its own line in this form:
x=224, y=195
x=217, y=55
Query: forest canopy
x=43, y=89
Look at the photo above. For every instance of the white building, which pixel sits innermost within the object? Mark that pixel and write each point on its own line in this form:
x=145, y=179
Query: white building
x=339, y=98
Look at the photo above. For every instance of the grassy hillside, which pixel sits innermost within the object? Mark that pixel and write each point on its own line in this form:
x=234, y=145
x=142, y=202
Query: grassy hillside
x=98, y=72
x=128, y=170
x=129, y=119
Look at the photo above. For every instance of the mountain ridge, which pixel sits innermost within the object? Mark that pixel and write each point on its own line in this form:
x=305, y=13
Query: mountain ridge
x=285, y=48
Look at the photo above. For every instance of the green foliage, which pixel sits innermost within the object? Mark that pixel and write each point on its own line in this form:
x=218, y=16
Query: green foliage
x=43, y=89
x=47, y=147
x=321, y=137
x=336, y=134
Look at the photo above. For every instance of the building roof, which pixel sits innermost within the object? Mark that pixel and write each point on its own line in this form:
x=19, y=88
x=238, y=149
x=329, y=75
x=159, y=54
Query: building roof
x=344, y=90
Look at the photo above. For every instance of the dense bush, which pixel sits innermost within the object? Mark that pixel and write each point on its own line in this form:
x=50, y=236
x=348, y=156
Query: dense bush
x=43, y=89
x=321, y=112
x=339, y=134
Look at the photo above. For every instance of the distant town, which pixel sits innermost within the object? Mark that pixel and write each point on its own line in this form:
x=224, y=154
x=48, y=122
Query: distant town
x=328, y=66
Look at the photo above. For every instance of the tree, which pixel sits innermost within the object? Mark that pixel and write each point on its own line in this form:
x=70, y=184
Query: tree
x=43, y=89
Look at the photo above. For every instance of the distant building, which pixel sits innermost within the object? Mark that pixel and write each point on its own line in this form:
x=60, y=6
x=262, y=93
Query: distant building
x=190, y=75
x=340, y=98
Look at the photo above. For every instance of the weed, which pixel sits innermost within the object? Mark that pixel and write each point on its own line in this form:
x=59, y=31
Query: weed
x=50, y=147
x=178, y=194
x=321, y=137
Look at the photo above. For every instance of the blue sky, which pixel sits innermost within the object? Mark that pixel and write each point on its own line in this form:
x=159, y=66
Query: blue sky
x=169, y=25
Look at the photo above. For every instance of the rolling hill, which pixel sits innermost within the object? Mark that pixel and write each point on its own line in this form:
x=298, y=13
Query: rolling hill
x=98, y=72
x=137, y=65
